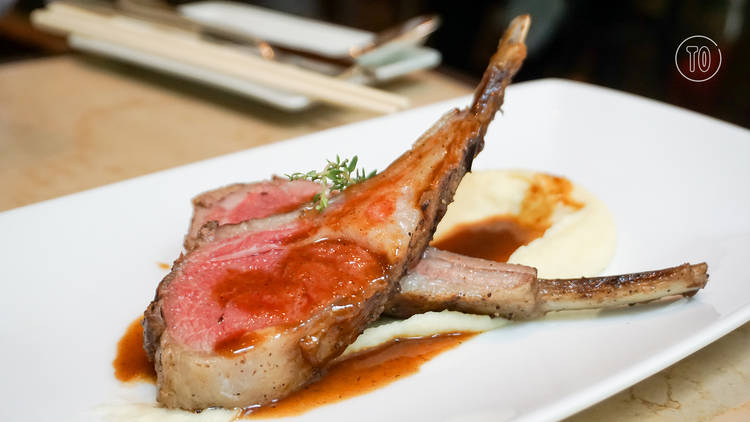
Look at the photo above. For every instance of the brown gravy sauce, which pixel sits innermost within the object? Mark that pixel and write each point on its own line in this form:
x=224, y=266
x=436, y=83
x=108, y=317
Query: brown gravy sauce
x=131, y=363
x=351, y=376
x=308, y=275
x=494, y=238
x=361, y=373
x=497, y=237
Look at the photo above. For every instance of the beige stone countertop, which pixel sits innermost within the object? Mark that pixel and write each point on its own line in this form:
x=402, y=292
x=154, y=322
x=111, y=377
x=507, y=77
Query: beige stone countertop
x=70, y=123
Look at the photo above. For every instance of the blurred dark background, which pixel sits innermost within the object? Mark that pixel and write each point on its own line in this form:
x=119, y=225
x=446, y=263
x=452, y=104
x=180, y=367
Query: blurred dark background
x=628, y=45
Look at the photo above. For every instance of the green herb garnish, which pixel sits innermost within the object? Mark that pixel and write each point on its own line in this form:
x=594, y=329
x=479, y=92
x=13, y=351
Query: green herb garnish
x=336, y=176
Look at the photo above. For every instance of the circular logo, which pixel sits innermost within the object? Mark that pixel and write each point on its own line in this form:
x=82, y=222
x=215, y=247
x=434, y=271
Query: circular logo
x=698, y=58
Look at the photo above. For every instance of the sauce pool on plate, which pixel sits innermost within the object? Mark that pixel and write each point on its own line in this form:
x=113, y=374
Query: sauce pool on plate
x=131, y=363
x=496, y=237
x=361, y=373
x=355, y=374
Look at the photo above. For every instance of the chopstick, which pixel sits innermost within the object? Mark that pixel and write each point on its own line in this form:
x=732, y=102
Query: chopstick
x=188, y=48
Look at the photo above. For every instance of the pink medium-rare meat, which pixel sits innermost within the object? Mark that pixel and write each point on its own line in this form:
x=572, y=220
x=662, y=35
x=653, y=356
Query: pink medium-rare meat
x=244, y=201
x=257, y=309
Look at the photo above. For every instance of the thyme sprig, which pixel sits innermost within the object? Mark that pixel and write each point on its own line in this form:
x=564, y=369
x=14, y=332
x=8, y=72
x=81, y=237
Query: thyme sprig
x=335, y=176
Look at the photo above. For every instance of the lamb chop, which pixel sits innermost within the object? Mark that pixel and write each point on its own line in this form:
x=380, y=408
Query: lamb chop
x=448, y=281
x=257, y=309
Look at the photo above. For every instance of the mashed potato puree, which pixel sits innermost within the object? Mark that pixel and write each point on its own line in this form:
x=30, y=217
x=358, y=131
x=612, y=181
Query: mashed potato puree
x=580, y=241
x=580, y=238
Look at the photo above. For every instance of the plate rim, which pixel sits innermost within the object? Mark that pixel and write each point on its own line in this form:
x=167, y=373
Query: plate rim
x=568, y=404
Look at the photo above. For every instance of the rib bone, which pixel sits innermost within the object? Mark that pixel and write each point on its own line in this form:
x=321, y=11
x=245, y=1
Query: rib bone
x=448, y=281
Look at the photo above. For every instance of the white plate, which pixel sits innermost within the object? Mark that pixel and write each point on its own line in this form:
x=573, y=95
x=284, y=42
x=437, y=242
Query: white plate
x=78, y=269
x=279, y=28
